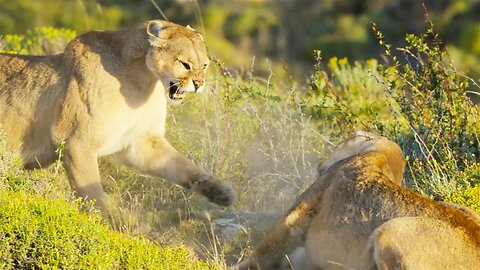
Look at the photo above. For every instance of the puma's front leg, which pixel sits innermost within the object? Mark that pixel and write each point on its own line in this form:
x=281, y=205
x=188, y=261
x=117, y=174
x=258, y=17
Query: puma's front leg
x=82, y=170
x=155, y=156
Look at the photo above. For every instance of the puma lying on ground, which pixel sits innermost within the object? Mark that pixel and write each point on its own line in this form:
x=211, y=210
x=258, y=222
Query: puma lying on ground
x=356, y=215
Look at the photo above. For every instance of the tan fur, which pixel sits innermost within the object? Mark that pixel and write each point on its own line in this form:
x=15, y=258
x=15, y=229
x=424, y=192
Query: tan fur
x=107, y=95
x=357, y=216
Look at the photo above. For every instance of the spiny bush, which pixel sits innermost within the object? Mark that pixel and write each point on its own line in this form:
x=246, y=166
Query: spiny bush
x=419, y=100
x=36, y=233
x=442, y=135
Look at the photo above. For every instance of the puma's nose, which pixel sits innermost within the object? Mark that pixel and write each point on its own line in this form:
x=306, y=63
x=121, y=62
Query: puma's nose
x=197, y=83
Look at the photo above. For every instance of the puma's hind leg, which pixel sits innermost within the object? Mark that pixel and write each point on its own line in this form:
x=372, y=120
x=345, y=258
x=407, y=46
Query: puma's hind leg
x=420, y=243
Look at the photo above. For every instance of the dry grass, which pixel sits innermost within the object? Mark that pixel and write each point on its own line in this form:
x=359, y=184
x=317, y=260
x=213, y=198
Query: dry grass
x=266, y=149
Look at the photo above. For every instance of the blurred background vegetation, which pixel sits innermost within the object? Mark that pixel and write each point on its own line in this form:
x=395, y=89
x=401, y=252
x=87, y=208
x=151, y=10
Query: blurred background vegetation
x=263, y=125
x=285, y=31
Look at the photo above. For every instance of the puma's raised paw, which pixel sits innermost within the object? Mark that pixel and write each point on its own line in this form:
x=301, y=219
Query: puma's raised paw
x=217, y=191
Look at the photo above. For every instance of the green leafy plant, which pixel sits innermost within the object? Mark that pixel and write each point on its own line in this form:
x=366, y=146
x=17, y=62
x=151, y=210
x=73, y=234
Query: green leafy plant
x=41, y=40
x=442, y=135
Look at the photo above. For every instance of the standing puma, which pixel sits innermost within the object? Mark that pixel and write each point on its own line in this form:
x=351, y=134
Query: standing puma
x=106, y=94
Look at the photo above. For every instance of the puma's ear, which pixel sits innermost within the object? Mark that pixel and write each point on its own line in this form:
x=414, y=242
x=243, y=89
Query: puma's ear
x=154, y=31
x=154, y=28
x=195, y=31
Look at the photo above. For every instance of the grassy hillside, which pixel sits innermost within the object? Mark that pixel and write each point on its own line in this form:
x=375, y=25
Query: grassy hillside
x=263, y=134
x=40, y=233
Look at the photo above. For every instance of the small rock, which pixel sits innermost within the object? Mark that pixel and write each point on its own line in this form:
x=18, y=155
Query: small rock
x=230, y=226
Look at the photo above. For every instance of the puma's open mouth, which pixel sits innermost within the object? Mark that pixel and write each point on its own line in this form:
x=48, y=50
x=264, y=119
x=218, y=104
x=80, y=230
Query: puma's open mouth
x=174, y=92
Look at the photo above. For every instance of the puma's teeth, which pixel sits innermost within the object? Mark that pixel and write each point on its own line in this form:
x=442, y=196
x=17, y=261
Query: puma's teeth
x=174, y=92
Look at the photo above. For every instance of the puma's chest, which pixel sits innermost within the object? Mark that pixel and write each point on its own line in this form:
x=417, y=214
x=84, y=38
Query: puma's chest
x=127, y=123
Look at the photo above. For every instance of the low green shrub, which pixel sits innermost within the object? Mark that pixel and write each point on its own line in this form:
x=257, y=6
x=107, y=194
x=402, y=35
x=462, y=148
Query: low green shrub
x=416, y=97
x=442, y=135
x=36, y=233
x=469, y=197
x=40, y=41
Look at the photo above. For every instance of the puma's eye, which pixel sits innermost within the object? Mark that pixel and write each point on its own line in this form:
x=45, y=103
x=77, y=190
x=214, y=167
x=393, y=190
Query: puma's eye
x=205, y=66
x=186, y=65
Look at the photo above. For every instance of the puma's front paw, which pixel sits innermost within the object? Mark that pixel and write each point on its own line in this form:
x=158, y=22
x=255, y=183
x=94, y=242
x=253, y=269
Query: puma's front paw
x=217, y=191
x=248, y=264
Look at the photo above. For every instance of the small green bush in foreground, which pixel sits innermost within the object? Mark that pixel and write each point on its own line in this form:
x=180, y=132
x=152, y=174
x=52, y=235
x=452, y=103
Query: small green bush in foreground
x=36, y=233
